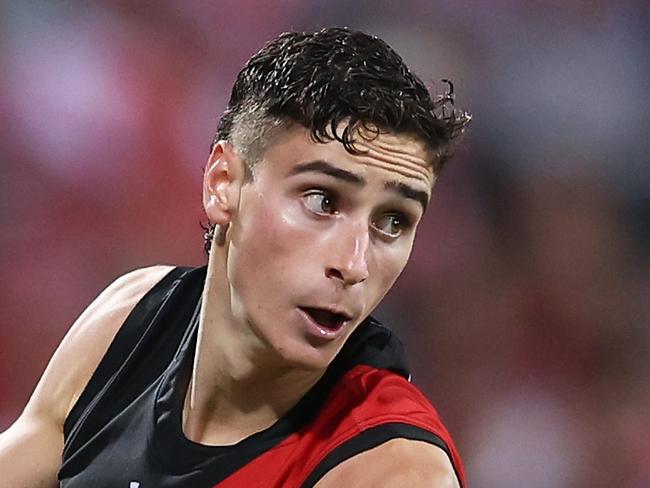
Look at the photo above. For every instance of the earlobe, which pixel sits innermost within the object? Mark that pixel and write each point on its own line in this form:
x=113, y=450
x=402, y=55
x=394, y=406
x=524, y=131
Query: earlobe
x=222, y=183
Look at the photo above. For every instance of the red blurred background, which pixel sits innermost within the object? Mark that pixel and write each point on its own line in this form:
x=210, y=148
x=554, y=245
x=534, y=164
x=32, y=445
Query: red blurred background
x=527, y=294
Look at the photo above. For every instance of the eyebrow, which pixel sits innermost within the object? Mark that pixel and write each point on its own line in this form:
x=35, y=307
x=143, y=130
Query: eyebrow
x=330, y=170
x=407, y=191
x=402, y=189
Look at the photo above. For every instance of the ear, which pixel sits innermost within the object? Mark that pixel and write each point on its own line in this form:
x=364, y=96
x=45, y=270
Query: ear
x=222, y=183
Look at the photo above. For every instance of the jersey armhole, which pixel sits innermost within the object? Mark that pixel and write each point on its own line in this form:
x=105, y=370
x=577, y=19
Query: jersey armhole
x=120, y=347
x=374, y=437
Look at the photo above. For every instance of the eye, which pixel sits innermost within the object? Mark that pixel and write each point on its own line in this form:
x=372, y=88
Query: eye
x=391, y=225
x=320, y=202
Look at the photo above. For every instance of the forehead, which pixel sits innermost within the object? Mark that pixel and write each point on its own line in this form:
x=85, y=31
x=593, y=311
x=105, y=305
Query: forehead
x=397, y=157
x=398, y=153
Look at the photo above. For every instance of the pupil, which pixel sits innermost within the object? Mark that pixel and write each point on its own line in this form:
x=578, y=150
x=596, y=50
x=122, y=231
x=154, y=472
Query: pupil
x=326, y=203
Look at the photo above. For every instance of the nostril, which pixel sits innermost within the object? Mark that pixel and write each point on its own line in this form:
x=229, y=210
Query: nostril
x=334, y=273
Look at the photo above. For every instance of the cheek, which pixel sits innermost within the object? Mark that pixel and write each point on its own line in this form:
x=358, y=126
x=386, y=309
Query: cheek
x=388, y=266
x=269, y=247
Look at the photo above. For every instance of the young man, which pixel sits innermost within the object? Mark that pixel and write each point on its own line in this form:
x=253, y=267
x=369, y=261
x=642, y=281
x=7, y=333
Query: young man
x=264, y=368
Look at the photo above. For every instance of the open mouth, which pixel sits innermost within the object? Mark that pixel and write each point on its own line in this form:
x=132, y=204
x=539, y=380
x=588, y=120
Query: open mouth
x=326, y=318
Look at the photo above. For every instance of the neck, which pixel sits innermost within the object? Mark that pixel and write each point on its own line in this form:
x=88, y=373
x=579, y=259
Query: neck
x=239, y=385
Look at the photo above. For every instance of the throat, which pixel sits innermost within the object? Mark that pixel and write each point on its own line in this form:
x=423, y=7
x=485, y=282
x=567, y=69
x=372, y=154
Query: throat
x=222, y=410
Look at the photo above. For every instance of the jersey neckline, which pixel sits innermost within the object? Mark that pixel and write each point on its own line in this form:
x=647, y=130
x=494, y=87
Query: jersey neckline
x=371, y=344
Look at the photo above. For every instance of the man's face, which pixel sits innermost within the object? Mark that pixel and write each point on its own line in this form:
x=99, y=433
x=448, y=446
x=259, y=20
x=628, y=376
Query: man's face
x=320, y=236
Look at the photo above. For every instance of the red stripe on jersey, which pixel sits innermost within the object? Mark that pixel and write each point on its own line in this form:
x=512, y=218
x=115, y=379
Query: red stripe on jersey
x=364, y=398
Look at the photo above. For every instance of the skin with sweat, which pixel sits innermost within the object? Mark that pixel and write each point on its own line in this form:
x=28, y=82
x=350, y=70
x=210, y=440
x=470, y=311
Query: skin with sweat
x=316, y=227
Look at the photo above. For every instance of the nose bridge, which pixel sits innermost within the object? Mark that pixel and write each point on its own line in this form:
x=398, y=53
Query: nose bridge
x=351, y=254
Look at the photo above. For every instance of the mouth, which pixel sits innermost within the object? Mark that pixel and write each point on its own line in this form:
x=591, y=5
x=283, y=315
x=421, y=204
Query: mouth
x=327, y=319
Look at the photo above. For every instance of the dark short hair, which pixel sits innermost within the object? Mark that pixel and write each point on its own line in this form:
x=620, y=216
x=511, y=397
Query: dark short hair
x=335, y=75
x=322, y=79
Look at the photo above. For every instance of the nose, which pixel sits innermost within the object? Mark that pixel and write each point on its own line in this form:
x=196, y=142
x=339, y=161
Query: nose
x=348, y=257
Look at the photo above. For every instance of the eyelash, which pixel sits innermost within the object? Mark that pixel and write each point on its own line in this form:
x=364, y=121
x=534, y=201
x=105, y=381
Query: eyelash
x=405, y=222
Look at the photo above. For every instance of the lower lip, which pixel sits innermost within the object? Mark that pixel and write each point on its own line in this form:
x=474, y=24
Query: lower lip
x=317, y=330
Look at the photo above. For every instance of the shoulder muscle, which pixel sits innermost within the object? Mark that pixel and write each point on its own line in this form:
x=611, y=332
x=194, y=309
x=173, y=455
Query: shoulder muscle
x=30, y=450
x=86, y=342
x=396, y=463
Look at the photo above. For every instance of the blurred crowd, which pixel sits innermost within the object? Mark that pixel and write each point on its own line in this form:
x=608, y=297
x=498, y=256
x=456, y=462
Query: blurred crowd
x=528, y=319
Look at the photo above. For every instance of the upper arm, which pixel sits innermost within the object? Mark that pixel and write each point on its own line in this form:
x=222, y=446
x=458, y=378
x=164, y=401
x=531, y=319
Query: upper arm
x=396, y=463
x=30, y=450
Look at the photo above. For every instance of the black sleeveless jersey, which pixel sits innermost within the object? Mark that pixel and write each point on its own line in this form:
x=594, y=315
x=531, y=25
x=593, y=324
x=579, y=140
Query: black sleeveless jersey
x=126, y=428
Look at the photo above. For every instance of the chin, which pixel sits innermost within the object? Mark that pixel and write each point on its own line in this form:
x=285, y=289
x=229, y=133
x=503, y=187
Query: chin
x=307, y=357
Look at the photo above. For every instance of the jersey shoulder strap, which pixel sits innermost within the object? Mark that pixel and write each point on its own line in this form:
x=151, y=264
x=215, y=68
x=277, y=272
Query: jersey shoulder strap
x=140, y=327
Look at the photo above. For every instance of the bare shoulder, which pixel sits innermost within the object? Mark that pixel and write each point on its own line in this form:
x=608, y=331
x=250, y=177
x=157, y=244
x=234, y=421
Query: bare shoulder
x=86, y=342
x=30, y=450
x=396, y=463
